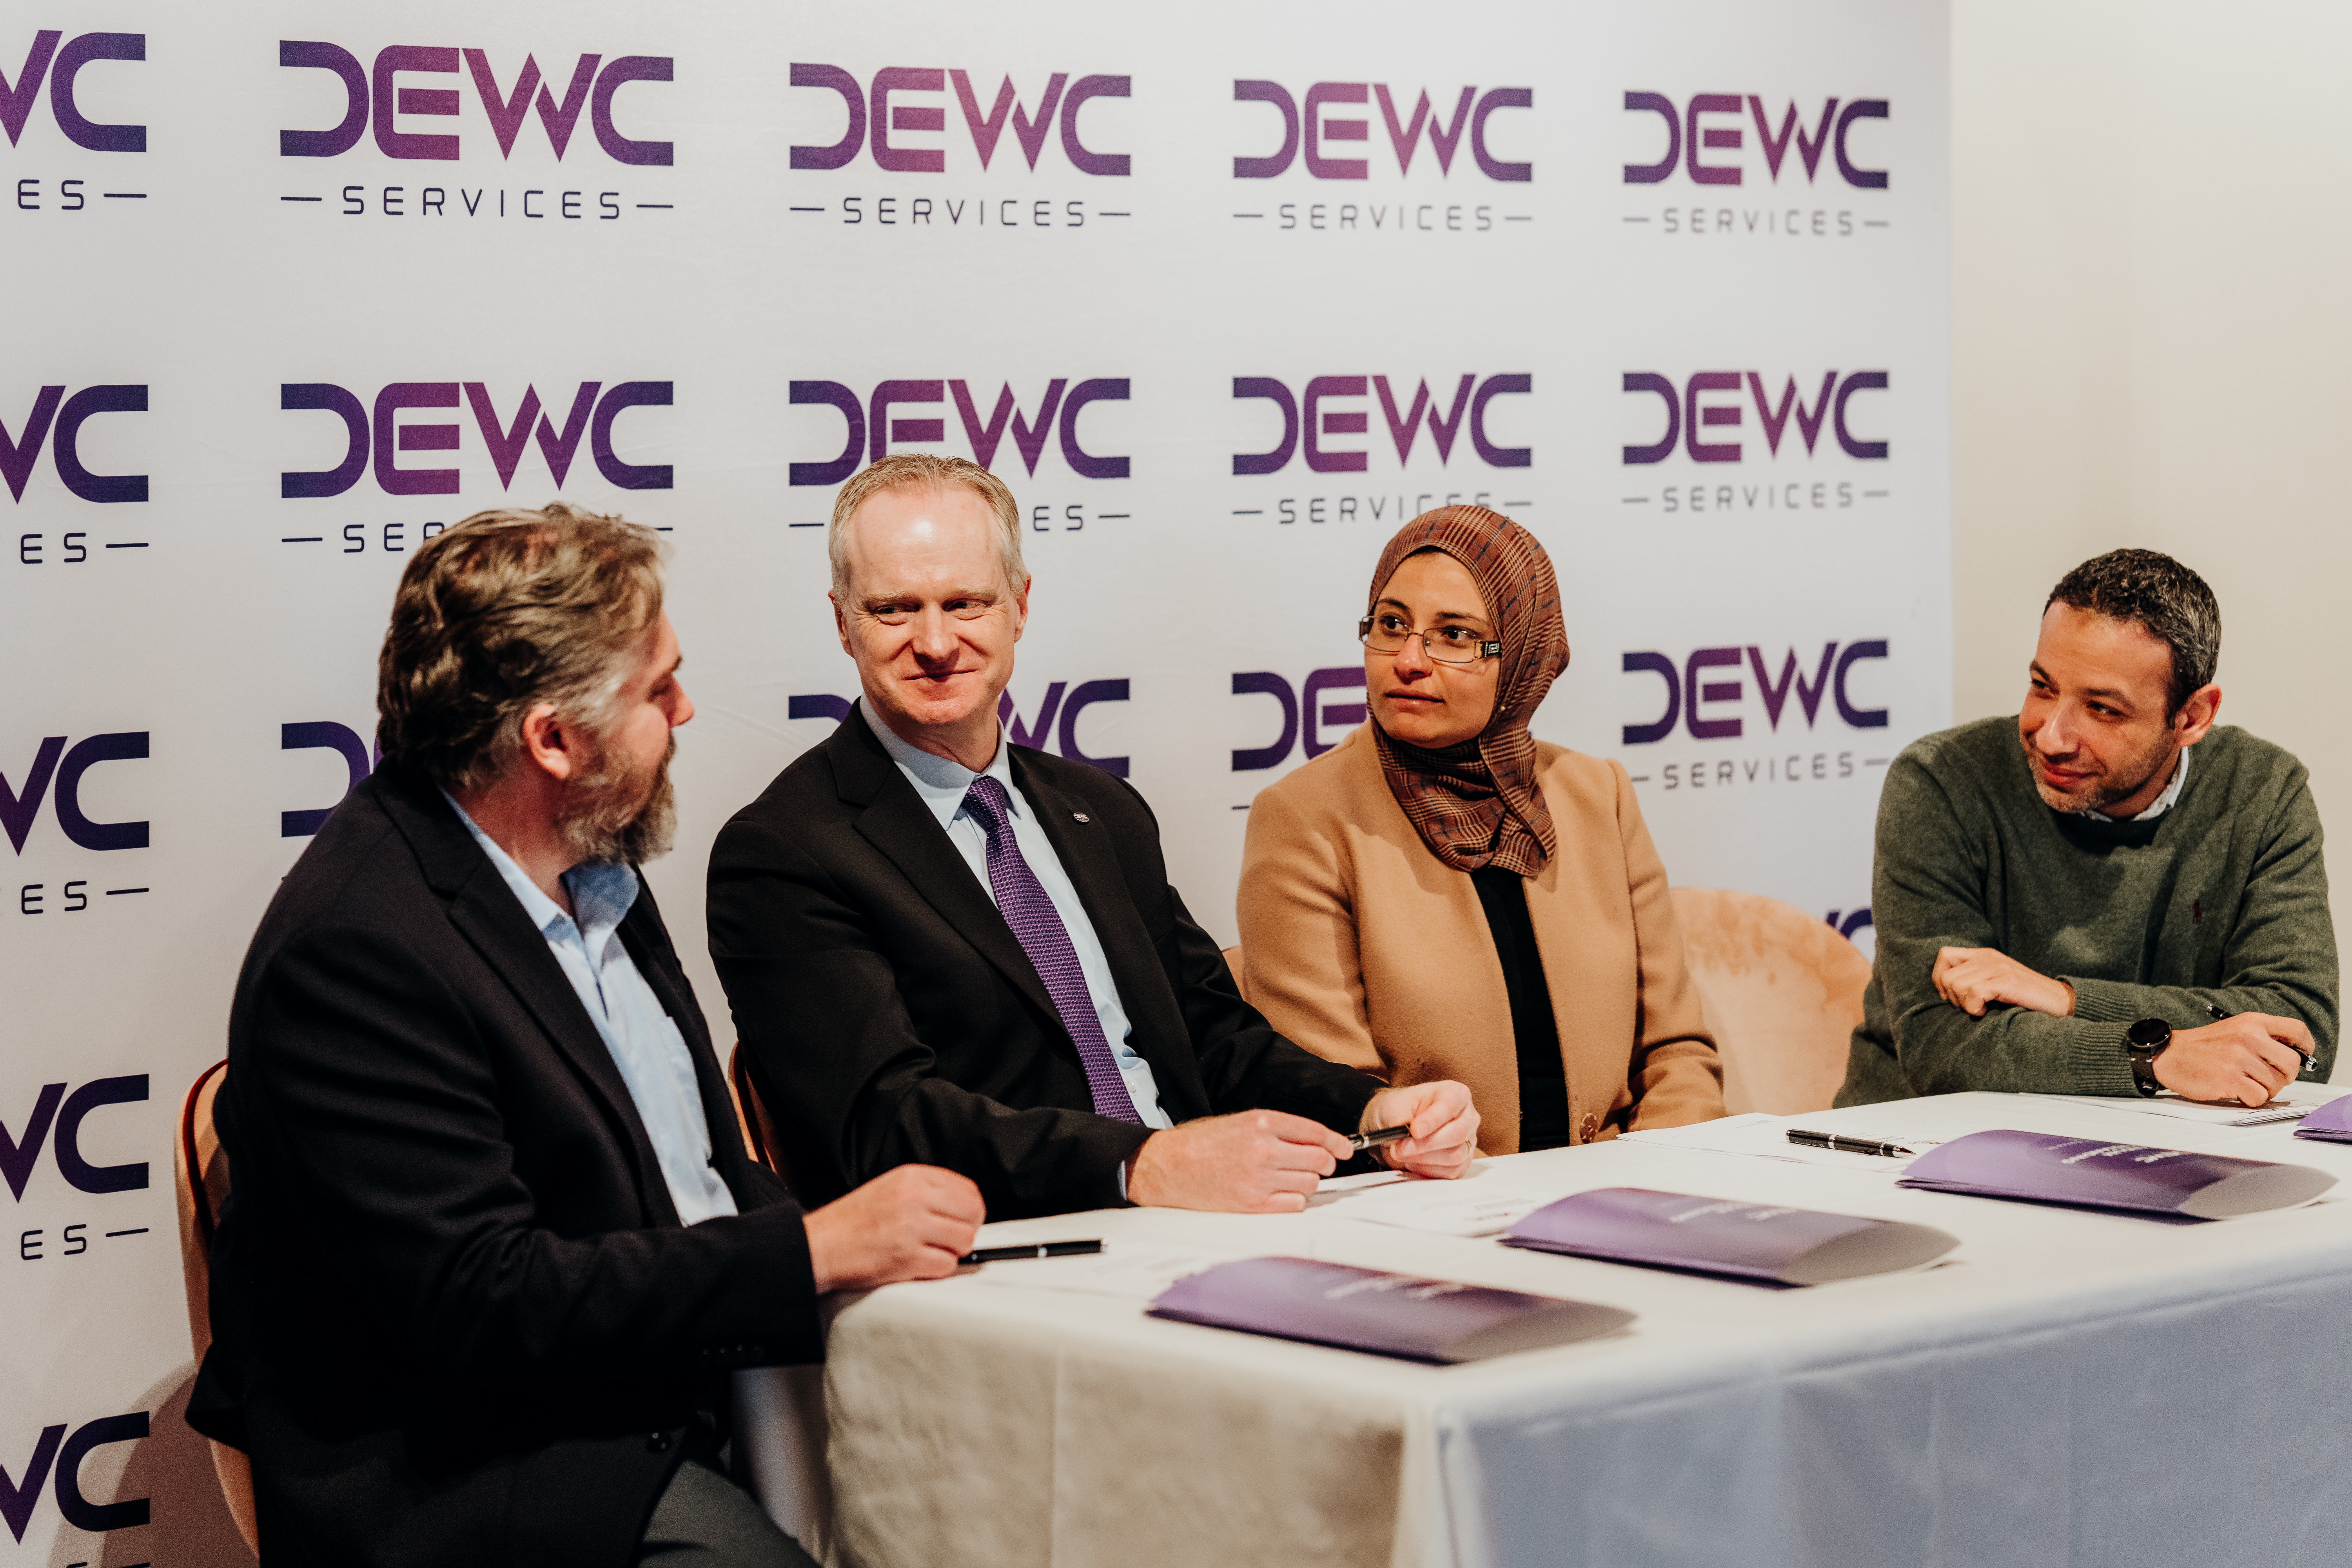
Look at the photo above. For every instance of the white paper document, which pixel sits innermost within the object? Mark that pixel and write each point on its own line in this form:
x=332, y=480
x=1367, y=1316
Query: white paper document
x=1475, y=1205
x=1138, y=1271
x=2292, y=1103
x=1761, y=1135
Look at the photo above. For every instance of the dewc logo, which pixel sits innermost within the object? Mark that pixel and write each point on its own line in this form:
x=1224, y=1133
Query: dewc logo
x=1039, y=732
x=55, y=1453
x=1701, y=702
x=57, y=419
x=1712, y=400
x=325, y=735
x=1307, y=128
x=373, y=426
x=1308, y=423
x=58, y=771
x=1306, y=719
x=62, y=67
x=376, y=99
x=877, y=123
x=56, y=1110
x=1703, y=134
x=872, y=428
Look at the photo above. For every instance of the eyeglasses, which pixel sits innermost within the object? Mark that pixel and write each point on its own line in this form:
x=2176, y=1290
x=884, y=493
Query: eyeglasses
x=1446, y=644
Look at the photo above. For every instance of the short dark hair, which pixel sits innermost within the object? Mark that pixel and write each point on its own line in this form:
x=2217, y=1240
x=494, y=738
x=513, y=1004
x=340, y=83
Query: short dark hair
x=504, y=611
x=2164, y=596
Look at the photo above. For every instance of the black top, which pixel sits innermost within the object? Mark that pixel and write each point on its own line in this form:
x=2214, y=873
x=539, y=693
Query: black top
x=1543, y=1081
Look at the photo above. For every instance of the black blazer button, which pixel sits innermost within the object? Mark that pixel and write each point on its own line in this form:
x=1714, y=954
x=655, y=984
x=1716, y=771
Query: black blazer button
x=657, y=1443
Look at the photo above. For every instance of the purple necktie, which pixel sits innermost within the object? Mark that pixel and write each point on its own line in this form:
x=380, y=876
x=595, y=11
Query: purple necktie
x=1027, y=909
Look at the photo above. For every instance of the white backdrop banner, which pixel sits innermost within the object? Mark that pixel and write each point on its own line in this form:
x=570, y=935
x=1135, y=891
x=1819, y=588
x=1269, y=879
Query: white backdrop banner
x=1225, y=291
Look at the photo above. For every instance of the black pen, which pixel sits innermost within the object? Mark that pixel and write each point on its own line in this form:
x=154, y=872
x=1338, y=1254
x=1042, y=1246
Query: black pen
x=1032, y=1249
x=2221, y=1014
x=1359, y=1141
x=1850, y=1145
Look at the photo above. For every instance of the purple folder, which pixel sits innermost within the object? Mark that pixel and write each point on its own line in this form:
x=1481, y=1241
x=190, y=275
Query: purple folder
x=2331, y=1122
x=2097, y=1175
x=1388, y=1314
x=1713, y=1235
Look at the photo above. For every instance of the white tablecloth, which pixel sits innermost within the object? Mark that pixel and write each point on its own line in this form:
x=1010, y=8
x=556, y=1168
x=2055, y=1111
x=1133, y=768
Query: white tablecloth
x=2071, y=1387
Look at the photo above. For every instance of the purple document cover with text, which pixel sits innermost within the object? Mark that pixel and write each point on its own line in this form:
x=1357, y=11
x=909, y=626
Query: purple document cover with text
x=1716, y=1235
x=2095, y=1174
x=2331, y=1123
x=1388, y=1314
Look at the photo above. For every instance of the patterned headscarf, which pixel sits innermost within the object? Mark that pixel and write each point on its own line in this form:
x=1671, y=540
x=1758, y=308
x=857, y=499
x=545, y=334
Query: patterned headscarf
x=1477, y=803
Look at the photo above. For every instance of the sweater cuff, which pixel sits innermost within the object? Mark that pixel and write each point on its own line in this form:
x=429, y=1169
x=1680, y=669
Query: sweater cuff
x=2105, y=1001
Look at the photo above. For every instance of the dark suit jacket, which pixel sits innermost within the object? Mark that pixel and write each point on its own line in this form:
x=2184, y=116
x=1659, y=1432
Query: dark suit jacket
x=892, y=1016
x=458, y=1321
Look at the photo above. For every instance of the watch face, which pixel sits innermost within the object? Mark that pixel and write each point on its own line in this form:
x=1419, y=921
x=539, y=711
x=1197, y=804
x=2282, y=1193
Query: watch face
x=2150, y=1033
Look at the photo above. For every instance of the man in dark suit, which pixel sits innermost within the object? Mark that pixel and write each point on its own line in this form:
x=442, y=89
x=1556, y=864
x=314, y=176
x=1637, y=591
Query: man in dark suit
x=494, y=1243
x=944, y=947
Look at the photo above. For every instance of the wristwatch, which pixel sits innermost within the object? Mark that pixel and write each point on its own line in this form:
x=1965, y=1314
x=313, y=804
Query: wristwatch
x=2143, y=1043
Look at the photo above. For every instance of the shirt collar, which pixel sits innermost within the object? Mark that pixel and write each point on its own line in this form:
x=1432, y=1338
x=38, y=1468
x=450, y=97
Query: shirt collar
x=942, y=782
x=2163, y=802
x=602, y=892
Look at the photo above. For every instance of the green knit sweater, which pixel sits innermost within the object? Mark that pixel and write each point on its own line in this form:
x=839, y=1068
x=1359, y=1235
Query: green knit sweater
x=2223, y=899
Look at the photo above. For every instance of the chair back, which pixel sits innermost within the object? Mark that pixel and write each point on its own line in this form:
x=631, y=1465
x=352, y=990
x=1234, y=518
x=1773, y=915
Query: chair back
x=751, y=1114
x=199, y=1173
x=1782, y=991
x=1234, y=962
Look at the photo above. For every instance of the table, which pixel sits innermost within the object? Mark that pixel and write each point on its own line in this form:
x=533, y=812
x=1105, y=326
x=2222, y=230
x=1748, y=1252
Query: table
x=2071, y=1387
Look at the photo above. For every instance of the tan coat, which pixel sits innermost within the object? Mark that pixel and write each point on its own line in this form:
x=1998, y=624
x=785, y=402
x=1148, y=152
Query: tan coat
x=1362, y=946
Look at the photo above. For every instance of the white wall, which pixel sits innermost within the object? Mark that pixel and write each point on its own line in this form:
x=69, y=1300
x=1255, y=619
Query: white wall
x=2150, y=225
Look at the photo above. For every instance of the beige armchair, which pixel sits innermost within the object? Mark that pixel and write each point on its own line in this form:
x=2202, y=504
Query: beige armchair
x=1782, y=991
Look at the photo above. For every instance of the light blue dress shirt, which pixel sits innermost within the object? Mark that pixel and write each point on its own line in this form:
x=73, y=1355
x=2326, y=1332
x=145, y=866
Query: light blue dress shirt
x=644, y=1039
x=942, y=783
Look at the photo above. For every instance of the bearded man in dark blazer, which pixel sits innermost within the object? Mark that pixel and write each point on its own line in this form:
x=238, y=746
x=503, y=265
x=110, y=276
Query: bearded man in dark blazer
x=944, y=947
x=494, y=1243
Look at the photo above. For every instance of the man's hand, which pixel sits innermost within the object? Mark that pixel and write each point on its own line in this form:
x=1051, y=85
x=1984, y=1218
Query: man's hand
x=1445, y=1128
x=1253, y=1161
x=1974, y=978
x=2247, y=1058
x=911, y=1223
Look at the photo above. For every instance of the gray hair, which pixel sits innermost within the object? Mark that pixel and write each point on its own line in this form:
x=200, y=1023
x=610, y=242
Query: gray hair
x=2161, y=595
x=921, y=470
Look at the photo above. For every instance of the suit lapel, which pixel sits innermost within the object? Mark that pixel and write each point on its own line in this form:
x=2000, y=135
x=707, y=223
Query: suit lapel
x=896, y=821
x=485, y=911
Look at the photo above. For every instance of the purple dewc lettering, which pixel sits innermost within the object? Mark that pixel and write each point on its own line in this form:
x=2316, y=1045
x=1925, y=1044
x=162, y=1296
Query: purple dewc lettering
x=835, y=394
x=85, y=132
x=908, y=160
x=1275, y=93
x=1655, y=173
x=1501, y=97
x=1271, y=462
x=837, y=154
x=621, y=475
x=1712, y=173
x=331, y=399
x=1694, y=693
x=1088, y=467
x=885, y=429
x=1317, y=127
x=16, y=458
x=1695, y=417
x=292, y=54
x=1028, y=439
x=1321, y=387
x=620, y=148
x=392, y=100
x=393, y=479
x=1114, y=164
x=16, y=102
x=985, y=130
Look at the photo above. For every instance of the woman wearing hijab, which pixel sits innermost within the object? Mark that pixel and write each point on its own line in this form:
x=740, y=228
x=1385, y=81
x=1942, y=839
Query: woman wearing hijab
x=1443, y=896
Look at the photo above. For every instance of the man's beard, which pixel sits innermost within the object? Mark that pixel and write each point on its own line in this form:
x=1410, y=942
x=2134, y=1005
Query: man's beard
x=2098, y=794
x=614, y=811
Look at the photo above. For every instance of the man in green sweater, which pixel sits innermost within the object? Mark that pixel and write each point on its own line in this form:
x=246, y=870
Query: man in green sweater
x=2087, y=912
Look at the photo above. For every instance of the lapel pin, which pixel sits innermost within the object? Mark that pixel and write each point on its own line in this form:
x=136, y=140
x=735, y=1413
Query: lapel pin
x=1082, y=816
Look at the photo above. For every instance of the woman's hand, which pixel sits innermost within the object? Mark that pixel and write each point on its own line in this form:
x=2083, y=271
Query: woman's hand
x=1445, y=1128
